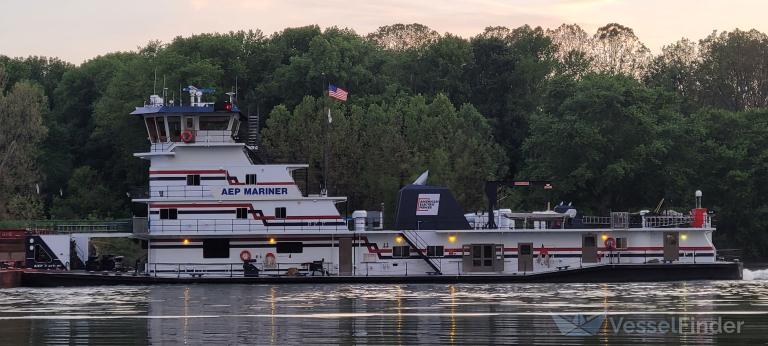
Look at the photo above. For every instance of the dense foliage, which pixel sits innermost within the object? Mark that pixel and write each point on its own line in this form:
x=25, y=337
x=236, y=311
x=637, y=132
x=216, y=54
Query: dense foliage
x=615, y=127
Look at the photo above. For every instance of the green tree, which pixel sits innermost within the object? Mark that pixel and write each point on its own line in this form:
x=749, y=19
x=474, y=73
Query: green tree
x=604, y=136
x=733, y=73
x=508, y=76
x=86, y=198
x=21, y=134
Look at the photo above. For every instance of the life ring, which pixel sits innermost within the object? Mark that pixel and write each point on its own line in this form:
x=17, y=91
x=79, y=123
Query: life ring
x=270, y=260
x=245, y=255
x=187, y=136
x=610, y=243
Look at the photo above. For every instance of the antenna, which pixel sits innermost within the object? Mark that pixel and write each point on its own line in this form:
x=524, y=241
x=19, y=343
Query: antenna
x=154, y=86
x=165, y=91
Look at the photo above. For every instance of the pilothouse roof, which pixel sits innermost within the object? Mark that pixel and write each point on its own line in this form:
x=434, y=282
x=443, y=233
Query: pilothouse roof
x=179, y=109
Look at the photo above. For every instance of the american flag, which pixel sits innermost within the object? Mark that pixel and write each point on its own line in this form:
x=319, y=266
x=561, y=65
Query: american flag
x=337, y=93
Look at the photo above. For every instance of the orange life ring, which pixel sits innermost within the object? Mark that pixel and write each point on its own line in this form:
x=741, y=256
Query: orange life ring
x=270, y=260
x=610, y=243
x=245, y=255
x=187, y=136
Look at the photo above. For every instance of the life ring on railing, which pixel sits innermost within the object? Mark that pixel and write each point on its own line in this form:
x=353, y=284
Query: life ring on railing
x=245, y=255
x=610, y=243
x=270, y=260
x=187, y=136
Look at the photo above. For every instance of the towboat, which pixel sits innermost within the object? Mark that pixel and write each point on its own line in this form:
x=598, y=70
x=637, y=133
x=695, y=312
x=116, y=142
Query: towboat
x=216, y=213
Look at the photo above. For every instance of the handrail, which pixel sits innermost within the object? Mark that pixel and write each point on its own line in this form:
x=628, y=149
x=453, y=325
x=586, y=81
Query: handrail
x=418, y=244
x=230, y=268
x=241, y=225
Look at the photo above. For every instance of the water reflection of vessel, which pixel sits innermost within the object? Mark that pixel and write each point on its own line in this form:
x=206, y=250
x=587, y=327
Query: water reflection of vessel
x=215, y=212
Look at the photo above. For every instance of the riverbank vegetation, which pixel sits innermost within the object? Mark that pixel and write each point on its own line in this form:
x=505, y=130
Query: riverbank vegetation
x=613, y=125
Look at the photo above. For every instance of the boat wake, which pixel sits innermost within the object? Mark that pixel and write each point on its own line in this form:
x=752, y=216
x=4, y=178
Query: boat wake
x=760, y=274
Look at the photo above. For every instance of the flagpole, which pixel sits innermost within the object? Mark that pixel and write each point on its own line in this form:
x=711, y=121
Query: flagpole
x=324, y=190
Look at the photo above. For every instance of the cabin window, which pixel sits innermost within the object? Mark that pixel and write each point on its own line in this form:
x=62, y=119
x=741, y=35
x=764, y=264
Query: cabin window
x=169, y=214
x=151, y=129
x=280, y=213
x=250, y=179
x=401, y=251
x=435, y=251
x=483, y=254
x=242, y=213
x=590, y=241
x=193, y=179
x=289, y=247
x=161, y=129
x=621, y=243
x=214, y=123
x=174, y=128
x=215, y=248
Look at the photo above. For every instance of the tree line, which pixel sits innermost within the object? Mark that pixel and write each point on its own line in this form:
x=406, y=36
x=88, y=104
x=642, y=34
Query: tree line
x=614, y=126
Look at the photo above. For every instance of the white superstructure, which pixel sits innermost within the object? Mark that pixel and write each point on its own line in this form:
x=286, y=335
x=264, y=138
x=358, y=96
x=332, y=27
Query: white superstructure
x=212, y=210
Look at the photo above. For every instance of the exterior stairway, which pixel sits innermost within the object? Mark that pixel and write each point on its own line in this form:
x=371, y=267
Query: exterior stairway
x=416, y=242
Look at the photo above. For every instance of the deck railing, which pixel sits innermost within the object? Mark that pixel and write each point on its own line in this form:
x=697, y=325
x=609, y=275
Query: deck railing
x=242, y=225
x=237, y=269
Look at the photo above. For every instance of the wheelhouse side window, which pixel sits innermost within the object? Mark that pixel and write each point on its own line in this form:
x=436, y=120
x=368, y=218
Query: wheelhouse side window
x=242, y=213
x=193, y=179
x=280, y=213
x=250, y=179
x=214, y=123
x=435, y=250
x=169, y=214
x=401, y=251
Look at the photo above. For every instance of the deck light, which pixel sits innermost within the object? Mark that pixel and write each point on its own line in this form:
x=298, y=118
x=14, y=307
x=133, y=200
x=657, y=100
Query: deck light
x=398, y=239
x=185, y=241
x=683, y=236
x=604, y=237
x=272, y=240
x=451, y=238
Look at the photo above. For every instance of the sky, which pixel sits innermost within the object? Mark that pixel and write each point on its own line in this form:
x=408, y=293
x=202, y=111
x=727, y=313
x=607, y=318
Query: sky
x=77, y=30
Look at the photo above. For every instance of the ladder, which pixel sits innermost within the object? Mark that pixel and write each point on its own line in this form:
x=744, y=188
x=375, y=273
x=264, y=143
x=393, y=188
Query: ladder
x=417, y=242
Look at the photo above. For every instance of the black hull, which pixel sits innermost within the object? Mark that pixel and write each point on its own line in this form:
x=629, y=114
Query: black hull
x=599, y=274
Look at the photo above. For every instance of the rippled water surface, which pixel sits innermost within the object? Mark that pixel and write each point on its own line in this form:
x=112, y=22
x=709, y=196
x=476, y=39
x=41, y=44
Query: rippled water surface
x=467, y=314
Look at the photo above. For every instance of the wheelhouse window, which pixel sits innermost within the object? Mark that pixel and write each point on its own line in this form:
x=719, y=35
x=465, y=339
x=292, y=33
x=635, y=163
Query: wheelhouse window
x=242, y=213
x=169, y=214
x=189, y=123
x=435, y=250
x=289, y=247
x=401, y=251
x=174, y=128
x=151, y=129
x=214, y=123
x=160, y=121
x=250, y=179
x=215, y=248
x=280, y=213
x=193, y=179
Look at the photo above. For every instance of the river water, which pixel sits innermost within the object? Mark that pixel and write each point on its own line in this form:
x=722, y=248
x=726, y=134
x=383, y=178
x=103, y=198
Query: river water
x=701, y=312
